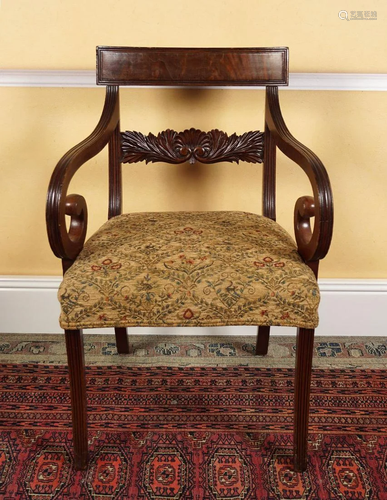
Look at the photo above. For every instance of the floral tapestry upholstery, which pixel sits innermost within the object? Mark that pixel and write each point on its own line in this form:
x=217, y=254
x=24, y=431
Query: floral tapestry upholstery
x=189, y=269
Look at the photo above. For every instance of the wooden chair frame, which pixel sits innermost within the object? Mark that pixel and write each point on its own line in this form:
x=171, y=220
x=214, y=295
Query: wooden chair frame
x=190, y=67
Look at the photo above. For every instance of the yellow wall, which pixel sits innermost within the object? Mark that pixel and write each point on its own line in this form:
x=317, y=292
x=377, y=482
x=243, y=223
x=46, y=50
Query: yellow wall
x=346, y=129
x=63, y=34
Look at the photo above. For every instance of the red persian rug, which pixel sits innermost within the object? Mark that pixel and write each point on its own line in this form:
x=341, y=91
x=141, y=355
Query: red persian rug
x=193, y=434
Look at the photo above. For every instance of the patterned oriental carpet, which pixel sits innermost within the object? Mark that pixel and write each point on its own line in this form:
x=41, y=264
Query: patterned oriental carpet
x=190, y=432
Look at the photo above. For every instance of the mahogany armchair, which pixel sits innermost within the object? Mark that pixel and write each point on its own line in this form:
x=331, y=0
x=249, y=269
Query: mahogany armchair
x=190, y=268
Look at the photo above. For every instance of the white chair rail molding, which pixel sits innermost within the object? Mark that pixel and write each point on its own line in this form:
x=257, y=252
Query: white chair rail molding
x=297, y=81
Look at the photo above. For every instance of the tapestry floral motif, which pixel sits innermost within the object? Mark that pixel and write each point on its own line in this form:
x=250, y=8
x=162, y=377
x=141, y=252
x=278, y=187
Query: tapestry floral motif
x=189, y=269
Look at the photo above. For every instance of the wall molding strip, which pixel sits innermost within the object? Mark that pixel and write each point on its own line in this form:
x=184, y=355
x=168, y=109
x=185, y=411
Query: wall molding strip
x=47, y=78
x=297, y=81
x=349, y=307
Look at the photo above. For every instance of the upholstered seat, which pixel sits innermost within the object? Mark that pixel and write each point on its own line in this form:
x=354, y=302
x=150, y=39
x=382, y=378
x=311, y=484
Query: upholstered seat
x=189, y=269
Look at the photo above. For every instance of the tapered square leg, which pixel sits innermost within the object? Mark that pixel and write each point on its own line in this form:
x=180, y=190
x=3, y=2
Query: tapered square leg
x=262, y=340
x=76, y=363
x=303, y=374
x=122, y=341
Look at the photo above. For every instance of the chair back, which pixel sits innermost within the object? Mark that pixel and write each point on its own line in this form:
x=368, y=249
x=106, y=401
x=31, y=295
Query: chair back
x=189, y=67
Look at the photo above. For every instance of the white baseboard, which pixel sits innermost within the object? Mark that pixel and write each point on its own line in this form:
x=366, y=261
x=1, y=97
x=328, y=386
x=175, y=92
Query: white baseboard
x=28, y=304
x=297, y=81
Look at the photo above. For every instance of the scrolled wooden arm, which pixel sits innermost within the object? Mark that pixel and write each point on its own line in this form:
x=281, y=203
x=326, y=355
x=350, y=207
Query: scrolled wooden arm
x=304, y=210
x=76, y=208
x=67, y=244
x=312, y=245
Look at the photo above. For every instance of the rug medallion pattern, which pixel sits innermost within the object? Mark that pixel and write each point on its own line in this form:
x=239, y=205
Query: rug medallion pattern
x=192, y=433
x=165, y=466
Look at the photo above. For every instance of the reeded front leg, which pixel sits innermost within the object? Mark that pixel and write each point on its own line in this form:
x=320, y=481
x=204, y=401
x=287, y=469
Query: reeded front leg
x=122, y=341
x=76, y=363
x=262, y=340
x=304, y=354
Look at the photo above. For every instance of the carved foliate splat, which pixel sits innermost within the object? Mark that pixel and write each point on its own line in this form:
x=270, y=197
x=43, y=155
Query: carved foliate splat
x=192, y=145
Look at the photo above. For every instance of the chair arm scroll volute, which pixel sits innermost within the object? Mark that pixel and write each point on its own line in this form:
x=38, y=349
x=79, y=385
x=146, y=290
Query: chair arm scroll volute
x=304, y=210
x=314, y=244
x=67, y=244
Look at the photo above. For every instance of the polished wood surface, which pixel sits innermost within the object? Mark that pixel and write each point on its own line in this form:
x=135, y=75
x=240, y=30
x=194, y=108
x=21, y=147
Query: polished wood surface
x=304, y=354
x=122, y=341
x=312, y=246
x=76, y=363
x=262, y=340
x=115, y=174
x=269, y=176
x=191, y=66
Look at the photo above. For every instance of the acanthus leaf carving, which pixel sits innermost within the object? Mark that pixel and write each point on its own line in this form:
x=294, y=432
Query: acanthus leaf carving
x=192, y=145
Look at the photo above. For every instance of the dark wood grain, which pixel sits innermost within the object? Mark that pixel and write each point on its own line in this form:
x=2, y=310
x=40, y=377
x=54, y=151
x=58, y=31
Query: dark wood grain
x=115, y=174
x=192, y=66
x=191, y=146
x=269, y=176
x=76, y=363
x=304, y=354
x=122, y=341
x=263, y=336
